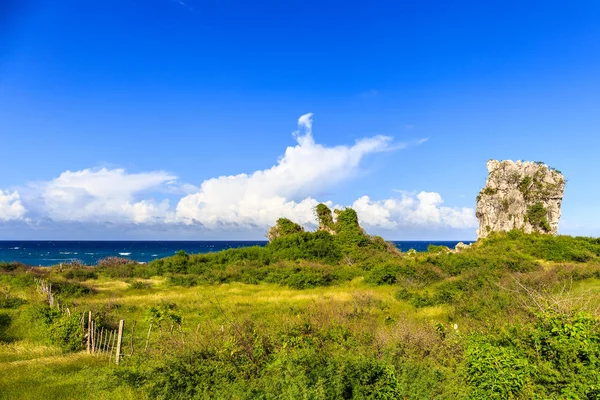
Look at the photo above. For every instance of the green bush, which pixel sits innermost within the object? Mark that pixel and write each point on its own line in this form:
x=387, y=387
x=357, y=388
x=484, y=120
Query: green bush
x=493, y=371
x=137, y=285
x=386, y=274
x=8, y=301
x=11, y=266
x=306, y=246
x=556, y=357
x=66, y=333
x=70, y=289
x=81, y=274
x=537, y=215
x=5, y=321
x=183, y=280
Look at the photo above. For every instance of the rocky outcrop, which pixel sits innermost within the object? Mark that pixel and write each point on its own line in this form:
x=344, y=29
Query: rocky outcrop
x=339, y=222
x=283, y=227
x=520, y=195
x=325, y=218
x=461, y=246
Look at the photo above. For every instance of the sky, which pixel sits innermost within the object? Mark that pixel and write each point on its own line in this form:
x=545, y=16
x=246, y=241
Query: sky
x=209, y=119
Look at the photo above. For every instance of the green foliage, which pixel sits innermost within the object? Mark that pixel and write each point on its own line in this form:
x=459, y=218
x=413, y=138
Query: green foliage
x=287, y=227
x=282, y=228
x=494, y=372
x=70, y=289
x=567, y=350
x=5, y=321
x=537, y=215
x=9, y=301
x=138, y=285
x=116, y=267
x=318, y=245
x=557, y=357
x=352, y=341
x=538, y=246
x=179, y=280
x=11, y=266
x=524, y=186
x=63, y=330
x=164, y=315
x=324, y=216
x=80, y=274
x=66, y=333
x=432, y=248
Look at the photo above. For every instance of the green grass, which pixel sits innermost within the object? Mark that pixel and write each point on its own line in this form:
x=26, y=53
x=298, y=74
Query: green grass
x=376, y=323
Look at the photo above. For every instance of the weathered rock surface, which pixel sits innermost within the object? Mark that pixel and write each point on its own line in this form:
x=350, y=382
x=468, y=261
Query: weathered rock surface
x=520, y=195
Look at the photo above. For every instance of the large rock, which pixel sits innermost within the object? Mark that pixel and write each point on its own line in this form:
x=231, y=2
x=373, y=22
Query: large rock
x=520, y=195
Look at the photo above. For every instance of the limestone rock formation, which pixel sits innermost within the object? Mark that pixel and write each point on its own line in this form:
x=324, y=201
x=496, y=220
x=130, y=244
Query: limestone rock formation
x=520, y=195
x=325, y=218
x=340, y=222
x=461, y=246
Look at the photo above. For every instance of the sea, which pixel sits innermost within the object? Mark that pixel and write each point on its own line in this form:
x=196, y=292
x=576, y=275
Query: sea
x=46, y=253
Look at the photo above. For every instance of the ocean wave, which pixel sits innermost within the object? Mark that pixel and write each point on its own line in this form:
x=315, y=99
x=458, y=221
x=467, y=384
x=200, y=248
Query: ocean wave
x=65, y=252
x=14, y=248
x=124, y=254
x=154, y=255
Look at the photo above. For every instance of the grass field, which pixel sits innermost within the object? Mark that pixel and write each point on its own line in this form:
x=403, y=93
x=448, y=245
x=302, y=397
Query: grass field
x=513, y=317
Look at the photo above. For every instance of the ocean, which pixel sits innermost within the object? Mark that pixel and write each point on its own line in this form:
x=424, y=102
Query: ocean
x=45, y=253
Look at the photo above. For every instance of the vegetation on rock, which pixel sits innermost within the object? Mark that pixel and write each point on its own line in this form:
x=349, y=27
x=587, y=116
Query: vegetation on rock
x=521, y=195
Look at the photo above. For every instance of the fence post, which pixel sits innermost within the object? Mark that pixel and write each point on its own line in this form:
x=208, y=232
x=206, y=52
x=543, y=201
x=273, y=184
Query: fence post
x=99, y=347
x=112, y=346
x=89, y=338
x=93, y=337
x=119, y=340
x=148, y=337
x=132, y=337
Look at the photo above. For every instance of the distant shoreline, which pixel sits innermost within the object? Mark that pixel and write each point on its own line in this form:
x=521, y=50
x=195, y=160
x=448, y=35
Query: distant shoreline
x=47, y=253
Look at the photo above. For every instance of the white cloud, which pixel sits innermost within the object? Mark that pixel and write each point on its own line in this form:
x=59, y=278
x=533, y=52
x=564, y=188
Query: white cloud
x=236, y=203
x=261, y=197
x=422, y=210
x=103, y=195
x=11, y=207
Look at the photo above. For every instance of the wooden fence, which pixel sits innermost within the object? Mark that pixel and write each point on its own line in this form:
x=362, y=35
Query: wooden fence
x=103, y=342
x=99, y=340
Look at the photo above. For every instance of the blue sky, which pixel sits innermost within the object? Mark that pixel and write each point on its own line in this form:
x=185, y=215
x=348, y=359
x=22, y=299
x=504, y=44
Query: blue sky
x=133, y=120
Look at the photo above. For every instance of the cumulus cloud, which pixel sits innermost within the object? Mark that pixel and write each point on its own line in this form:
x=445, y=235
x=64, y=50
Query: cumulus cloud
x=103, y=195
x=11, y=207
x=236, y=203
x=422, y=210
x=257, y=199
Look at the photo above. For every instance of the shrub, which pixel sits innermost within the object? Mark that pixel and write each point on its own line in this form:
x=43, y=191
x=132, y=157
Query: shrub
x=494, y=371
x=139, y=285
x=183, y=280
x=5, y=321
x=63, y=330
x=324, y=216
x=306, y=245
x=11, y=266
x=81, y=274
x=70, y=289
x=8, y=301
x=386, y=274
x=66, y=333
x=109, y=262
x=537, y=215
x=283, y=227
